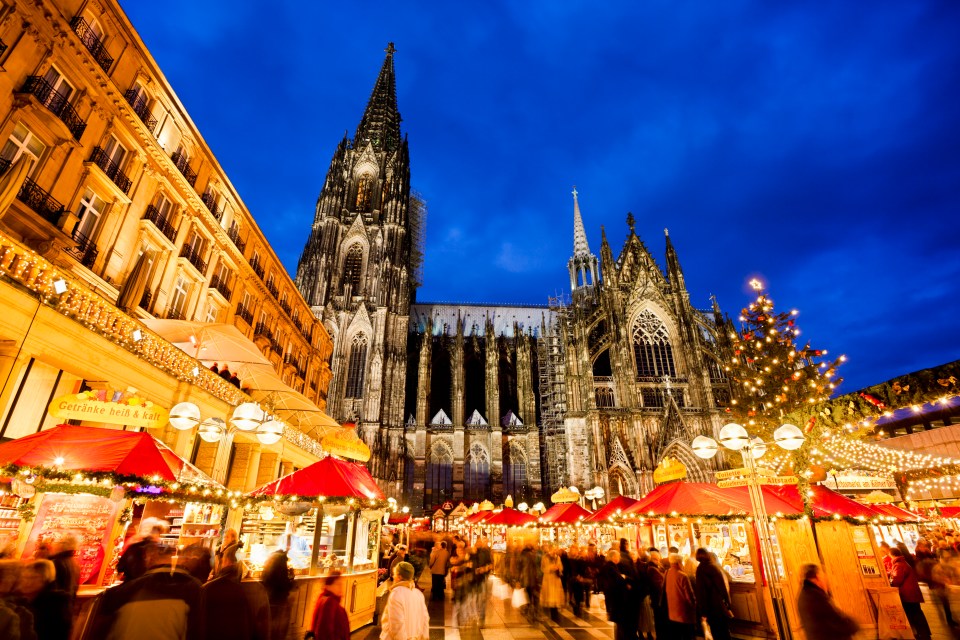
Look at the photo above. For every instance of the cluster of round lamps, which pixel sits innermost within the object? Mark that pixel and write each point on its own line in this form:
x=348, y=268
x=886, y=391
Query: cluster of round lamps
x=248, y=416
x=734, y=437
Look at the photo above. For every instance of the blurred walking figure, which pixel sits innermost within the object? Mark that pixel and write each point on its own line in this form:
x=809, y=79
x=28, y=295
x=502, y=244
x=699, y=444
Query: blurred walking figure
x=230, y=611
x=681, y=601
x=820, y=618
x=903, y=577
x=614, y=587
x=330, y=620
x=551, y=589
x=439, y=564
x=277, y=579
x=482, y=567
x=713, y=601
x=50, y=606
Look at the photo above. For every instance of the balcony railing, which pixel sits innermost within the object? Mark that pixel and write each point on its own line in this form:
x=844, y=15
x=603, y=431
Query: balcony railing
x=234, y=235
x=86, y=250
x=290, y=359
x=221, y=286
x=160, y=222
x=193, y=257
x=272, y=288
x=138, y=102
x=257, y=268
x=176, y=314
x=211, y=202
x=145, y=300
x=285, y=306
x=91, y=42
x=275, y=346
x=100, y=158
x=42, y=203
x=56, y=102
x=263, y=330
x=182, y=162
x=245, y=313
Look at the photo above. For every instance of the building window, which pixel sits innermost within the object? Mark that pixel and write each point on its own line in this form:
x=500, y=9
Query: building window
x=178, y=303
x=353, y=268
x=652, y=348
x=476, y=474
x=651, y=397
x=515, y=475
x=604, y=397
x=213, y=312
x=22, y=142
x=62, y=90
x=115, y=152
x=91, y=208
x=717, y=374
x=439, y=475
x=356, y=367
x=364, y=193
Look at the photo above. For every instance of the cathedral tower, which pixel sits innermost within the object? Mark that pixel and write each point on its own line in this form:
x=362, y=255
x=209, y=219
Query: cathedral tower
x=358, y=273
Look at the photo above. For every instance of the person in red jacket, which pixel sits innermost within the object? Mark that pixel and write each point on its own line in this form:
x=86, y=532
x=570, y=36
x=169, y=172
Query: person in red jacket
x=903, y=577
x=329, y=618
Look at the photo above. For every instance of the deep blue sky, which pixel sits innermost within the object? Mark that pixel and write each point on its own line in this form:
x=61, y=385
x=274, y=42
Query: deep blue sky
x=816, y=145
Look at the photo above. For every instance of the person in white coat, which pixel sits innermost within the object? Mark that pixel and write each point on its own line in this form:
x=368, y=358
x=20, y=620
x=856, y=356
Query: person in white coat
x=405, y=616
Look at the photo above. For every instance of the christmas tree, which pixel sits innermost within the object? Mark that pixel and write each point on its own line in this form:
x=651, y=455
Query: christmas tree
x=771, y=376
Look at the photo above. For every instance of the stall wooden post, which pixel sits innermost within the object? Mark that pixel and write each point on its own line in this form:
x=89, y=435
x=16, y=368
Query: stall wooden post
x=317, y=535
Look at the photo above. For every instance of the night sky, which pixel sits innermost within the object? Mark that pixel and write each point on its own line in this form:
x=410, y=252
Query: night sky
x=816, y=146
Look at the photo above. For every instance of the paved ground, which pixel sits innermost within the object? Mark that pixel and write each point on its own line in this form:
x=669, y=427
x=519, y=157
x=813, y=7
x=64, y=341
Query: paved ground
x=503, y=622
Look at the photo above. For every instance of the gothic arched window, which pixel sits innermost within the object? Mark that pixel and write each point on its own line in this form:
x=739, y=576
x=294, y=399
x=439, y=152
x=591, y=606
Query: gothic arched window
x=364, y=193
x=476, y=473
x=353, y=268
x=652, y=348
x=357, y=364
x=515, y=476
x=439, y=475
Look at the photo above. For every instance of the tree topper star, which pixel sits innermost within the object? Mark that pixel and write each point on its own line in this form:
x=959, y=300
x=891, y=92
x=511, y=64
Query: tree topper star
x=756, y=284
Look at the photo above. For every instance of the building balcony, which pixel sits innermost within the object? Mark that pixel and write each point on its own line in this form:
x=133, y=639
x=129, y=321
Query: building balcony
x=56, y=102
x=182, y=162
x=86, y=250
x=138, y=102
x=272, y=288
x=160, y=222
x=234, y=235
x=100, y=158
x=145, y=300
x=42, y=203
x=275, y=346
x=221, y=286
x=193, y=257
x=246, y=314
x=91, y=42
x=176, y=314
x=211, y=203
x=257, y=268
x=285, y=306
x=262, y=330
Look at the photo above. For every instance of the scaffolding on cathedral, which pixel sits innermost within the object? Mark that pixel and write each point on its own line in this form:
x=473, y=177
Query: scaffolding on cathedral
x=417, y=218
x=553, y=398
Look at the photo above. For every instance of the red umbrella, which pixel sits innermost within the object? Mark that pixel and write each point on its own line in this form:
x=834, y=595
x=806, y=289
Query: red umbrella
x=510, y=518
x=93, y=449
x=615, y=506
x=327, y=478
x=564, y=513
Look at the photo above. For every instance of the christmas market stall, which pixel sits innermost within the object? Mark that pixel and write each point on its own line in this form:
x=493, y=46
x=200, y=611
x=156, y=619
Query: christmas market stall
x=563, y=522
x=473, y=522
x=510, y=526
x=605, y=524
x=326, y=516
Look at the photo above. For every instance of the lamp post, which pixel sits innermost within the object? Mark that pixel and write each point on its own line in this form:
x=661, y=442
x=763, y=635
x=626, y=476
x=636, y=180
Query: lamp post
x=735, y=437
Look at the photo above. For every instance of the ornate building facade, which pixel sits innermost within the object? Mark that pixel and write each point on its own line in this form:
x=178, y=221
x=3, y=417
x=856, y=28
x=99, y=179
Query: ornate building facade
x=466, y=401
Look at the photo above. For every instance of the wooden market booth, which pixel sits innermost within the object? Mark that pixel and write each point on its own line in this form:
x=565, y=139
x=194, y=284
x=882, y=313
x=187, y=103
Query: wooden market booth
x=562, y=524
x=692, y=515
x=606, y=524
x=330, y=515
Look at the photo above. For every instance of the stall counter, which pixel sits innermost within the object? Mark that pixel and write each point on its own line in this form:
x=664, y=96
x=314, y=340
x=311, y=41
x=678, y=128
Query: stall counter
x=359, y=599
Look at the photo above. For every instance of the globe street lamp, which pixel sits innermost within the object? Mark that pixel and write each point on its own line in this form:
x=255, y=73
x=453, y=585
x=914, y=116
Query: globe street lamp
x=734, y=437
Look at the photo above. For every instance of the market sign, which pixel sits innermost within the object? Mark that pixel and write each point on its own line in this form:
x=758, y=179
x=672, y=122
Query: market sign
x=346, y=444
x=669, y=469
x=848, y=482
x=738, y=478
x=110, y=407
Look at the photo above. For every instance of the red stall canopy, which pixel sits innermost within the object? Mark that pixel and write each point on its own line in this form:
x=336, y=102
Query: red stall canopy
x=824, y=503
x=893, y=511
x=564, y=513
x=328, y=478
x=478, y=517
x=615, y=506
x=950, y=512
x=690, y=498
x=510, y=518
x=94, y=449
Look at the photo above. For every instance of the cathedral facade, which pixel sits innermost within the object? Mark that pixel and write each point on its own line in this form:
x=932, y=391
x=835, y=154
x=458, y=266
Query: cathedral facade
x=473, y=401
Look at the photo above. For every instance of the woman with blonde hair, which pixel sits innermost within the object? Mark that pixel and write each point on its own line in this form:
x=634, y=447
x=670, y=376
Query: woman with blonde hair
x=551, y=589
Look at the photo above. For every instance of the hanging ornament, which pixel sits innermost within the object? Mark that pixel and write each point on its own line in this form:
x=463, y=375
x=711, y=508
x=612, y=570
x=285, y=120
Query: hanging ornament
x=872, y=400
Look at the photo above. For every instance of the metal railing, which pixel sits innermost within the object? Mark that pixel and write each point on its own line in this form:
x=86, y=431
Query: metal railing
x=193, y=257
x=182, y=162
x=263, y=330
x=211, y=202
x=56, y=102
x=92, y=42
x=160, y=222
x=86, y=250
x=272, y=288
x=45, y=205
x=100, y=158
x=257, y=268
x=234, y=235
x=246, y=314
x=138, y=102
x=221, y=286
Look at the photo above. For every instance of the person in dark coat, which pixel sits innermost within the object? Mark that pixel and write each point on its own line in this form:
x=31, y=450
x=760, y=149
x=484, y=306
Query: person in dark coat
x=820, y=618
x=227, y=609
x=655, y=574
x=903, y=577
x=278, y=581
x=133, y=559
x=66, y=566
x=197, y=559
x=615, y=596
x=50, y=606
x=713, y=601
x=330, y=620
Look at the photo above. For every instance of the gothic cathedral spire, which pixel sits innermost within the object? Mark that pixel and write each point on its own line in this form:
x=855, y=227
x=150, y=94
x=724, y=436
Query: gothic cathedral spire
x=380, y=124
x=583, y=264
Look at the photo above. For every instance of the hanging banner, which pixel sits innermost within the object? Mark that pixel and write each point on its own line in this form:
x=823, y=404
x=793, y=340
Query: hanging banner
x=110, y=407
x=668, y=470
x=346, y=444
x=89, y=518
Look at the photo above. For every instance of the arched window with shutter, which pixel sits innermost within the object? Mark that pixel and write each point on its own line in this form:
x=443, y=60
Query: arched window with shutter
x=356, y=367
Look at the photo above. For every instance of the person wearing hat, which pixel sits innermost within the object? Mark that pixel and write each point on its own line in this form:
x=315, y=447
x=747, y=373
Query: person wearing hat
x=405, y=616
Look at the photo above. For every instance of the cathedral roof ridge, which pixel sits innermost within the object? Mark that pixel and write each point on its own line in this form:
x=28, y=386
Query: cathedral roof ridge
x=513, y=305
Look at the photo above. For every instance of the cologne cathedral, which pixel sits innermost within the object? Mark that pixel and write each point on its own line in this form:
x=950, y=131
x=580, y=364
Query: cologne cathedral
x=473, y=401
